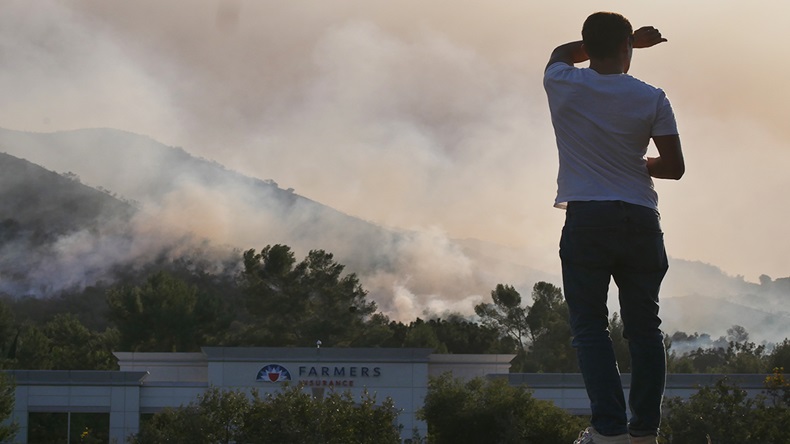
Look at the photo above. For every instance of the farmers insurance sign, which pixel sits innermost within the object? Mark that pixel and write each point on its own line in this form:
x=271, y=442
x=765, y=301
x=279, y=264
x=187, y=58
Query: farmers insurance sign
x=318, y=376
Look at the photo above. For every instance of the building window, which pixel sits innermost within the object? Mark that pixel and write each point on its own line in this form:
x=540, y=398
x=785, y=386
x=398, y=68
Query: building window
x=68, y=427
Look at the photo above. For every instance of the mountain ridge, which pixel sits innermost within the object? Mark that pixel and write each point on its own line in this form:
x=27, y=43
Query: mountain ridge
x=407, y=272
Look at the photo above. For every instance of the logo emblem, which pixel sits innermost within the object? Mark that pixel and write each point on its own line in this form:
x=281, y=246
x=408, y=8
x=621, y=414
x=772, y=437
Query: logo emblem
x=273, y=373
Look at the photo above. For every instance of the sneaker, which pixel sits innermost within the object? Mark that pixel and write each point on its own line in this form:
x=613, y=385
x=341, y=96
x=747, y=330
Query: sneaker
x=590, y=436
x=649, y=439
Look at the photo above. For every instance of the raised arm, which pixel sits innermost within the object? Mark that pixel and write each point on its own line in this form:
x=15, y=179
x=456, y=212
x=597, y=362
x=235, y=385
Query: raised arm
x=669, y=164
x=569, y=53
x=647, y=36
x=573, y=52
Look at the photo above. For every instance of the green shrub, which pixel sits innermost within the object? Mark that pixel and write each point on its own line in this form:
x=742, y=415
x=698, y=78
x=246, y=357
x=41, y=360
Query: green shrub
x=483, y=411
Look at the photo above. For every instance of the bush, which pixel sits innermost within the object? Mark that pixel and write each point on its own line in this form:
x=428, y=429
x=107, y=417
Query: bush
x=289, y=416
x=293, y=416
x=725, y=414
x=482, y=410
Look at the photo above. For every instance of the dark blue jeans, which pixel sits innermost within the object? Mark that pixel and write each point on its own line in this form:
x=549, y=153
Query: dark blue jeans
x=604, y=240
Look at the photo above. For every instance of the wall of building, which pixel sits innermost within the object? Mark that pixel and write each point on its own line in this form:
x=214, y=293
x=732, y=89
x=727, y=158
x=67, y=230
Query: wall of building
x=149, y=382
x=566, y=390
x=116, y=393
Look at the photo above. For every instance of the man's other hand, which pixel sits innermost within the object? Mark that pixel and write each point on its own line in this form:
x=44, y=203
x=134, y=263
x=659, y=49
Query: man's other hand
x=647, y=36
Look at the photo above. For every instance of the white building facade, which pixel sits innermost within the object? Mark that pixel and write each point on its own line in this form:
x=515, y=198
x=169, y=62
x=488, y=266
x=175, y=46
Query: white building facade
x=149, y=382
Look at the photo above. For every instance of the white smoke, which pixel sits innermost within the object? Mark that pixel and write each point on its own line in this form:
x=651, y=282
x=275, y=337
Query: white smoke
x=426, y=117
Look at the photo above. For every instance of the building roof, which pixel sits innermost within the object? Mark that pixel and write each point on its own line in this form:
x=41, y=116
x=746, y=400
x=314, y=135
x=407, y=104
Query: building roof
x=77, y=377
x=327, y=354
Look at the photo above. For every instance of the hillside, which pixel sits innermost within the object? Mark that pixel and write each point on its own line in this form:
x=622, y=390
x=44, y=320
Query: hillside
x=705, y=314
x=181, y=201
x=406, y=272
x=198, y=195
x=41, y=214
x=45, y=204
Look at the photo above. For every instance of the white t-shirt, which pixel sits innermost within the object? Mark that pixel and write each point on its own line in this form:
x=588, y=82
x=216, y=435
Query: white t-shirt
x=603, y=125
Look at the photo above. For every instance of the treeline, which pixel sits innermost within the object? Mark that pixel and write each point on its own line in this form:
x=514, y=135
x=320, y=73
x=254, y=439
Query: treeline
x=265, y=298
x=734, y=353
x=542, y=335
x=269, y=298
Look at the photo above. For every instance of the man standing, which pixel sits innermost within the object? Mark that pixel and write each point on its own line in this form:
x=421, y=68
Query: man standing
x=604, y=120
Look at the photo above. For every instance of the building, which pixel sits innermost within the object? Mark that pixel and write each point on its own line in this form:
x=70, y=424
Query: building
x=148, y=382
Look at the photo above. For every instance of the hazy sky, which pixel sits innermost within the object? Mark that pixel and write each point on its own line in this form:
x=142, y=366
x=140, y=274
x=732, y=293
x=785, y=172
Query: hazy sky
x=419, y=114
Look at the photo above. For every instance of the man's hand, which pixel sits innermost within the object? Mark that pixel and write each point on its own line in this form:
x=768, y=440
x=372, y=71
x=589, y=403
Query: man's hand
x=647, y=36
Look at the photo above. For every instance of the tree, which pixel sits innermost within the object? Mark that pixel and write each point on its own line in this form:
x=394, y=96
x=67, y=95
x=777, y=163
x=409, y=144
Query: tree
x=7, y=395
x=216, y=417
x=733, y=354
x=71, y=346
x=780, y=355
x=298, y=304
x=30, y=349
x=337, y=306
x=744, y=357
x=544, y=325
x=459, y=335
x=376, y=332
x=507, y=316
x=737, y=333
x=222, y=414
x=717, y=412
x=422, y=335
x=778, y=388
x=453, y=334
x=165, y=314
x=173, y=425
x=295, y=416
x=619, y=343
x=8, y=335
x=550, y=331
x=726, y=414
x=482, y=410
x=705, y=360
x=291, y=415
x=62, y=343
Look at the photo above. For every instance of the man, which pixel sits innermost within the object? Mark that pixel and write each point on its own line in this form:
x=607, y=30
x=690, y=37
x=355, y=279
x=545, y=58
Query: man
x=604, y=120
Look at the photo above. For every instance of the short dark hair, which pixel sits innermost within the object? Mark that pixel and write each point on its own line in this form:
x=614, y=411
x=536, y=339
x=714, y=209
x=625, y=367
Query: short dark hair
x=603, y=32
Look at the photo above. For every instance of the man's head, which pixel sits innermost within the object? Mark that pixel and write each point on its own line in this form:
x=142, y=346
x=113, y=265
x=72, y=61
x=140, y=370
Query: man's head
x=604, y=33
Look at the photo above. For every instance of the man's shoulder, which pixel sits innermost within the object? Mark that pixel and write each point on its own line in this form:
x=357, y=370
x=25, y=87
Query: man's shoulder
x=642, y=85
x=557, y=67
x=558, y=64
x=561, y=72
